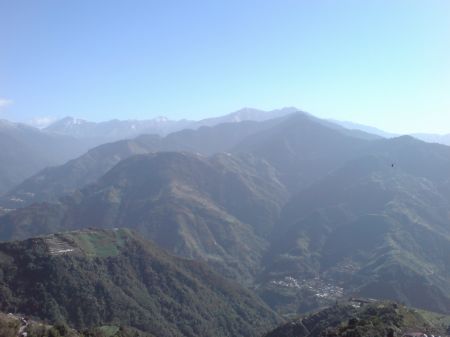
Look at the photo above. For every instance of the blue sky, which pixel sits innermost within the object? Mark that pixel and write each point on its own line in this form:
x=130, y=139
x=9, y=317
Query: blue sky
x=383, y=63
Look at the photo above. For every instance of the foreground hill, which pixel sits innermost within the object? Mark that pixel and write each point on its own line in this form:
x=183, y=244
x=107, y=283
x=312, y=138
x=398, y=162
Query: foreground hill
x=377, y=226
x=93, y=278
x=220, y=209
x=382, y=319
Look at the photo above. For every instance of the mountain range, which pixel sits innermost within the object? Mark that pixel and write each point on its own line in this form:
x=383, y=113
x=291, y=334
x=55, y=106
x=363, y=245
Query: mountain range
x=52, y=182
x=241, y=193
x=300, y=211
x=120, y=129
x=67, y=138
x=25, y=150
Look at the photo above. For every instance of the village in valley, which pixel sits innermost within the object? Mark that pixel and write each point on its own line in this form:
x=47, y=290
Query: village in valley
x=321, y=288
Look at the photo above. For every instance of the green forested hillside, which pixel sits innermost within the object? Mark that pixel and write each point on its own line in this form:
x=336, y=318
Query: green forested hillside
x=377, y=226
x=13, y=325
x=93, y=278
x=384, y=319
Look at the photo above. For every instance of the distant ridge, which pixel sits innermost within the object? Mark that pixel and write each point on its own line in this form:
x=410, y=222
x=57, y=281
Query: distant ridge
x=24, y=150
x=365, y=128
x=426, y=137
x=119, y=129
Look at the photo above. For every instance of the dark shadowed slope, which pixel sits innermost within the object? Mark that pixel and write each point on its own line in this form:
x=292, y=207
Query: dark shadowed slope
x=91, y=278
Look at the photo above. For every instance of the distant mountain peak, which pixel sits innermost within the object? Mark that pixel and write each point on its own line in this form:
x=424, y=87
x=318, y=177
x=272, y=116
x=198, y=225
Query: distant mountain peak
x=250, y=111
x=161, y=119
x=248, y=114
x=69, y=120
x=65, y=124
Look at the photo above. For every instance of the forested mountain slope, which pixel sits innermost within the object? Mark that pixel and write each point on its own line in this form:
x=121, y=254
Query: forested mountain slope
x=220, y=209
x=91, y=278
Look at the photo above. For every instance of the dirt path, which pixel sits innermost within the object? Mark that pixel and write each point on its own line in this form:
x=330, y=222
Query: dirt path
x=24, y=325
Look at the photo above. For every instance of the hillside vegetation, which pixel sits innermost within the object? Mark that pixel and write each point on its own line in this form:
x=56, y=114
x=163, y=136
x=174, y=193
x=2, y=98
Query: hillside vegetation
x=12, y=325
x=383, y=319
x=93, y=278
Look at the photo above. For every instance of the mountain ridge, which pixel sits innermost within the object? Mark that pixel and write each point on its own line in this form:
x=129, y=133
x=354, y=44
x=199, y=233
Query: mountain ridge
x=119, y=129
x=53, y=182
x=48, y=184
x=188, y=205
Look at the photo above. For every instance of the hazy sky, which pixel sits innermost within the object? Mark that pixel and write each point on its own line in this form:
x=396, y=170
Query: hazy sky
x=383, y=63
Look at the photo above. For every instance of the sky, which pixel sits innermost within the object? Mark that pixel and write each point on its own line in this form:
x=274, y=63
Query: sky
x=383, y=63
